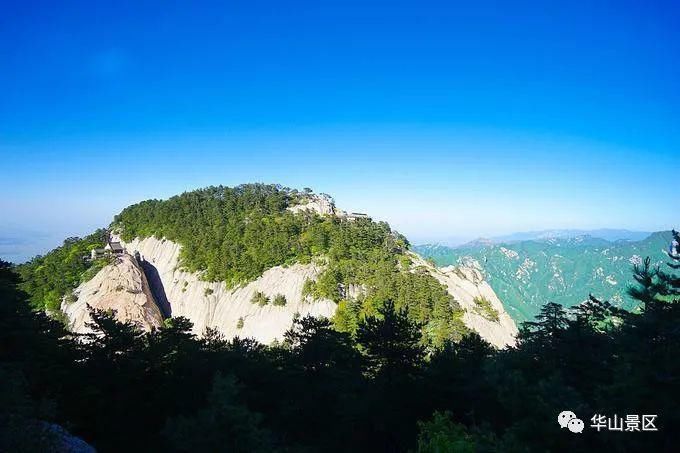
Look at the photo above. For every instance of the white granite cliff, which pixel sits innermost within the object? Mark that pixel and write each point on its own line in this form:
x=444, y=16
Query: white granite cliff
x=465, y=284
x=212, y=304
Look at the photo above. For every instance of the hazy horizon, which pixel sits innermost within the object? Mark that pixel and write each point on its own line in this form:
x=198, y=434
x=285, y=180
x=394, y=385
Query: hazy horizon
x=19, y=244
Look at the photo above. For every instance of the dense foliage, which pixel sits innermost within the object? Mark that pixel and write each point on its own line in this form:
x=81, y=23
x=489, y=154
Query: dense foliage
x=325, y=390
x=525, y=274
x=34, y=360
x=235, y=234
x=47, y=279
x=228, y=234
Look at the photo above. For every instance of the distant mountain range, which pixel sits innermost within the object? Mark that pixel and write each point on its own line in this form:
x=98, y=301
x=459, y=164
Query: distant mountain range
x=608, y=234
x=558, y=265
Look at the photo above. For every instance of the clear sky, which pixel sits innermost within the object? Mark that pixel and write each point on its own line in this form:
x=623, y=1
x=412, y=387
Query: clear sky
x=447, y=119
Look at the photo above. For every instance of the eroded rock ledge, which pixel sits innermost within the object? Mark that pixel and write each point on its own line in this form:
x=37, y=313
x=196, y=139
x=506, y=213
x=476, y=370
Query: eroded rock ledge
x=120, y=286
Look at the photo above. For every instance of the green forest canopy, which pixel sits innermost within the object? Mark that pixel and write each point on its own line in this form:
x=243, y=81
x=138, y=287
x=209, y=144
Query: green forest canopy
x=47, y=279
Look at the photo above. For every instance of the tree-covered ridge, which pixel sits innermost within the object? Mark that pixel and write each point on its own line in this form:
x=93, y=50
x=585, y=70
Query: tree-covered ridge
x=235, y=234
x=526, y=273
x=47, y=279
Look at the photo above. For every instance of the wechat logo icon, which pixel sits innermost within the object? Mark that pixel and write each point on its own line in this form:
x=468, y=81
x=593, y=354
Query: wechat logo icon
x=567, y=419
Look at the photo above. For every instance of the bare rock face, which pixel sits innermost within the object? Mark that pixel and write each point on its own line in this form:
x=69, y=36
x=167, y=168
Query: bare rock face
x=321, y=204
x=230, y=310
x=119, y=286
x=209, y=304
x=484, y=312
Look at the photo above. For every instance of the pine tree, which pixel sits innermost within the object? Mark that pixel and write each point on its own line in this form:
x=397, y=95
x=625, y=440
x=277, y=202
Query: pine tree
x=225, y=424
x=549, y=324
x=391, y=342
x=648, y=347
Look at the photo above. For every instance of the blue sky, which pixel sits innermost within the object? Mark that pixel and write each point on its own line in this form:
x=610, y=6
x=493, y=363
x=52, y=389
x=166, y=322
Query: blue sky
x=447, y=119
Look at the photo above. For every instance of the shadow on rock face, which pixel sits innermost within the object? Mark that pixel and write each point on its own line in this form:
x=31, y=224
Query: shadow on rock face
x=156, y=286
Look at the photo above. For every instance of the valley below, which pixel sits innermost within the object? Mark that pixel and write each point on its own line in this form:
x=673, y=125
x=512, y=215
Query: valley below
x=529, y=273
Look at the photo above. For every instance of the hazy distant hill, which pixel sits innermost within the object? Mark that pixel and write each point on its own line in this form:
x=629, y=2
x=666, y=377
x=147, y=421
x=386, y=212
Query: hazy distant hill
x=527, y=274
x=609, y=234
